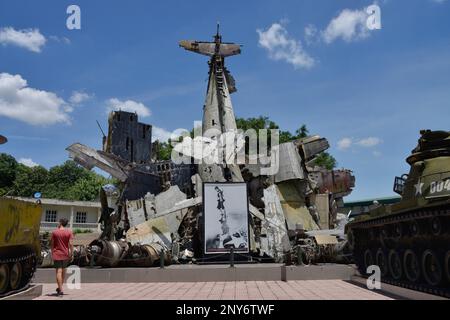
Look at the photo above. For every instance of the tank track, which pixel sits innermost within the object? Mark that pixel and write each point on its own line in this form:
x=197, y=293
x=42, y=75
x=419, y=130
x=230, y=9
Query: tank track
x=380, y=233
x=27, y=277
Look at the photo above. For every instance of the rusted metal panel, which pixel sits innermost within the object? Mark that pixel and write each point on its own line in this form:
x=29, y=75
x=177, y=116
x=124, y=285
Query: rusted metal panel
x=339, y=182
x=156, y=230
x=294, y=207
x=322, y=239
x=322, y=204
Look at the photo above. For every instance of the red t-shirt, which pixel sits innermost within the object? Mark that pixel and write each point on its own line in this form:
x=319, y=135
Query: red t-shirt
x=60, y=244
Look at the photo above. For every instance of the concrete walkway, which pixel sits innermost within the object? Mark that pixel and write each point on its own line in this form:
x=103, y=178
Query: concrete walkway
x=232, y=290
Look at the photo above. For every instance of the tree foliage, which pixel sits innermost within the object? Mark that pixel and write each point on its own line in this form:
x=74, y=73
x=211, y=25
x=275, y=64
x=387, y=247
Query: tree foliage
x=324, y=159
x=8, y=168
x=163, y=150
x=68, y=181
x=86, y=188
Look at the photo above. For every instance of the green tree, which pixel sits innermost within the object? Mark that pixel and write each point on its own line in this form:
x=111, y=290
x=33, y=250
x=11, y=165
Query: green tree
x=86, y=188
x=63, y=177
x=255, y=123
x=325, y=160
x=286, y=136
x=164, y=150
x=29, y=181
x=68, y=181
x=302, y=132
x=8, y=168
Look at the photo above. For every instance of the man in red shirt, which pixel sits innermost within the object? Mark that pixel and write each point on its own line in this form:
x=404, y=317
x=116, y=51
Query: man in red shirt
x=62, y=252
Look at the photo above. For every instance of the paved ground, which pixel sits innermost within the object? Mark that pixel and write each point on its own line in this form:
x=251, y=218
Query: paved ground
x=242, y=290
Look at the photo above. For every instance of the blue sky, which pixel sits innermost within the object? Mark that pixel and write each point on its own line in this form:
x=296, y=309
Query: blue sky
x=369, y=92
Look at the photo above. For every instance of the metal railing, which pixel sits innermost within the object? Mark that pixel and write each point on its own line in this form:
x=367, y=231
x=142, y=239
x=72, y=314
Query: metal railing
x=48, y=225
x=85, y=226
x=52, y=225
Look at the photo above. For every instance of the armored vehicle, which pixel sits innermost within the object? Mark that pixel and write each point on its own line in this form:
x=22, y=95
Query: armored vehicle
x=19, y=243
x=410, y=241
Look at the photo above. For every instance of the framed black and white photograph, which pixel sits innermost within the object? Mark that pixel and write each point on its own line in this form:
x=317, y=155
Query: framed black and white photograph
x=226, y=224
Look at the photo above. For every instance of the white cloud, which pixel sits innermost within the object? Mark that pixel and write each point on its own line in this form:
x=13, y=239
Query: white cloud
x=280, y=46
x=115, y=104
x=160, y=134
x=344, y=143
x=376, y=153
x=33, y=106
x=349, y=25
x=347, y=143
x=30, y=39
x=64, y=40
x=369, y=142
x=311, y=33
x=28, y=162
x=79, y=97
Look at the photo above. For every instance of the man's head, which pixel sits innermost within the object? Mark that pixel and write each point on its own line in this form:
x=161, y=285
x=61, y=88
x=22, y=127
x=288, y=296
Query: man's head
x=63, y=222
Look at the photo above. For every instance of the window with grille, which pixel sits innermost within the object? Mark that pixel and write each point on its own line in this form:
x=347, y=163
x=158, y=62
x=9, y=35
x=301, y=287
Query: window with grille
x=81, y=217
x=50, y=215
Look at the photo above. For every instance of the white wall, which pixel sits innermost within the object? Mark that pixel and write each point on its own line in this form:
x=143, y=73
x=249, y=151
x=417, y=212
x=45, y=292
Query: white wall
x=64, y=211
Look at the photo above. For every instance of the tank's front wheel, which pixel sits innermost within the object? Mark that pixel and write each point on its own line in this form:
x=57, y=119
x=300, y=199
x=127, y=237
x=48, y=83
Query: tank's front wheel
x=4, y=278
x=15, y=278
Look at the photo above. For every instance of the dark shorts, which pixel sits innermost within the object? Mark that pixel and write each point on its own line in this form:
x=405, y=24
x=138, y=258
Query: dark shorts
x=58, y=264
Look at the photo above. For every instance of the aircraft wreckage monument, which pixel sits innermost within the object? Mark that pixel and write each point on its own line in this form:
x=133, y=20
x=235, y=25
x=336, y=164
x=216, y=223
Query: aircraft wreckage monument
x=201, y=211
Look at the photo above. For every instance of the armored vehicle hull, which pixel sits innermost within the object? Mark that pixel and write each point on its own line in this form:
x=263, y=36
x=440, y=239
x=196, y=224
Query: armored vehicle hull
x=19, y=243
x=410, y=241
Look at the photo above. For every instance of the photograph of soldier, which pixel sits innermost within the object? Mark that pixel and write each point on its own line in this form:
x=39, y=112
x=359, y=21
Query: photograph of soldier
x=226, y=217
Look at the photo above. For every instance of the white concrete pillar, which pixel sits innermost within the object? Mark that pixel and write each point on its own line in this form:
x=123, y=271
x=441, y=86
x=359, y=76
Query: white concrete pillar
x=71, y=218
x=99, y=214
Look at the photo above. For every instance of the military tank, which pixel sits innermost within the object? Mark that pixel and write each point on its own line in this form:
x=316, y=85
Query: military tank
x=410, y=240
x=19, y=243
